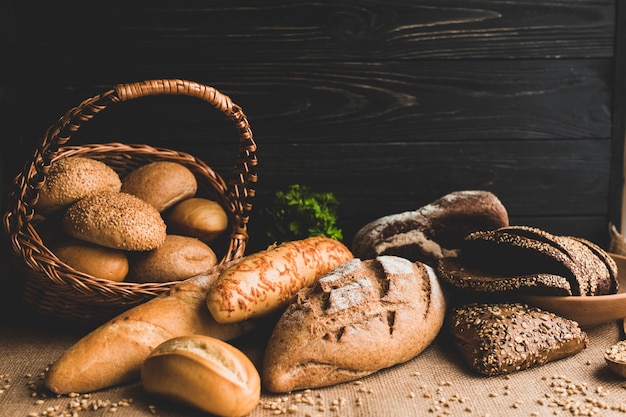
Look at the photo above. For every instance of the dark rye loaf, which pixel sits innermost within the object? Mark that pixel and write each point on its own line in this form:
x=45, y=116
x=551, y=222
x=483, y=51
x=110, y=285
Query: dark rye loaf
x=433, y=231
x=496, y=339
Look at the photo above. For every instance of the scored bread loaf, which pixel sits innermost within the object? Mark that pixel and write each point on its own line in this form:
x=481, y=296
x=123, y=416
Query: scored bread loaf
x=502, y=338
x=433, y=231
x=363, y=316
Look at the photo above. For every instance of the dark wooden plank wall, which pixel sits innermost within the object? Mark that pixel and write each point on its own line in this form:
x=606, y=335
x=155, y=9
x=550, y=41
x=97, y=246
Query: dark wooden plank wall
x=388, y=104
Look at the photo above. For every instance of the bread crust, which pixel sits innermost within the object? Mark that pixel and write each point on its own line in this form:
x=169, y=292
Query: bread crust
x=116, y=220
x=70, y=179
x=502, y=338
x=161, y=183
x=433, y=231
x=361, y=317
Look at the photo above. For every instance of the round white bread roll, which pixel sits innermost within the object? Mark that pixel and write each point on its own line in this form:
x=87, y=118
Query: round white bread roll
x=95, y=260
x=70, y=179
x=178, y=258
x=115, y=220
x=161, y=184
x=198, y=217
x=203, y=372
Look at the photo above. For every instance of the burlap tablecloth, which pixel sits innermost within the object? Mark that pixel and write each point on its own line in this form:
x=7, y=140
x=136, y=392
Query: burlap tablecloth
x=434, y=383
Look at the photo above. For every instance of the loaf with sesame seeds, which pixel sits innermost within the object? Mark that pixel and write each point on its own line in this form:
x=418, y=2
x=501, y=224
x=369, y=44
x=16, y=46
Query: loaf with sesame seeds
x=363, y=316
x=433, y=231
x=530, y=260
x=70, y=179
x=501, y=338
x=115, y=220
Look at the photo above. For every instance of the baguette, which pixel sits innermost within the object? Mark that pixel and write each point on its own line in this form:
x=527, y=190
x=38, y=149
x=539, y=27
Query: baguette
x=266, y=281
x=112, y=354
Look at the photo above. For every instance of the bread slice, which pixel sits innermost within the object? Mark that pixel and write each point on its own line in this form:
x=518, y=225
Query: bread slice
x=363, y=316
x=502, y=338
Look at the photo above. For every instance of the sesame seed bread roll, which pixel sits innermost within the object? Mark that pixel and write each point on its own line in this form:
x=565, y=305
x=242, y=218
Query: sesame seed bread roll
x=433, y=231
x=364, y=316
x=115, y=220
x=95, y=260
x=161, y=184
x=266, y=281
x=70, y=179
x=198, y=217
x=178, y=258
x=112, y=354
x=501, y=338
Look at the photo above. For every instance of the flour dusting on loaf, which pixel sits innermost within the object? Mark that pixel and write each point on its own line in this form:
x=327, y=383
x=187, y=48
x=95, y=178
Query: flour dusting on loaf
x=433, y=231
x=363, y=316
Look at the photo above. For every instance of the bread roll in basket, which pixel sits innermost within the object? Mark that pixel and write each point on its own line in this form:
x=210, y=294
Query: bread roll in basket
x=54, y=288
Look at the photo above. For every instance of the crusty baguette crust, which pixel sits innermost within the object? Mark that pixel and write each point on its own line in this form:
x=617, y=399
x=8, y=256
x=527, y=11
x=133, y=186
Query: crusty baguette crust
x=265, y=281
x=362, y=317
x=112, y=354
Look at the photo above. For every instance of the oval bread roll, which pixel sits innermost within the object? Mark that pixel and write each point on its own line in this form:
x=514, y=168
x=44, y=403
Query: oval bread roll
x=70, y=179
x=198, y=217
x=161, y=184
x=95, y=260
x=178, y=258
x=204, y=372
x=361, y=317
x=115, y=220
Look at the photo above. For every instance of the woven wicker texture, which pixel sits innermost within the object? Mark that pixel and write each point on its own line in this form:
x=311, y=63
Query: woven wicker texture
x=54, y=288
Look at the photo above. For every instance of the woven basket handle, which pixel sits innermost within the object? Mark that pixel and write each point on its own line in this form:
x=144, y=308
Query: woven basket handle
x=244, y=171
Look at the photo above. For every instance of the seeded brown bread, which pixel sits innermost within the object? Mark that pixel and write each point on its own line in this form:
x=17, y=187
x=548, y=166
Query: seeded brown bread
x=363, y=316
x=178, y=258
x=161, y=184
x=528, y=259
x=496, y=339
x=116, y=220
x=112, y=354
x=70, y=179
x=433, y=231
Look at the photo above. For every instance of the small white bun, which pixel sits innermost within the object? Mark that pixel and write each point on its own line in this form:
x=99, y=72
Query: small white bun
x=198, y=217
x=161, y=184
x=203, y=372
x=178, y=258
x=70, y=179
x=115, y=220
x=94, y=260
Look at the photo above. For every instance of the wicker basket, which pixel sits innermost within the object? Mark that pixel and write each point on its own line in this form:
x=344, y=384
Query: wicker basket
x=55, y=289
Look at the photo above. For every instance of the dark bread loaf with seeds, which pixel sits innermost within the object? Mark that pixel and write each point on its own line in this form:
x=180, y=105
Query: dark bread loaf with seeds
x=363, y=316
x=433, y=231
x=496, y=339
x=529, y=260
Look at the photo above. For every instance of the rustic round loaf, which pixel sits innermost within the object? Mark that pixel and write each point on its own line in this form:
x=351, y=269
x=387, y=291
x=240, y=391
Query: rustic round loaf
x=95, y=260
x=70, y=179
x=178, y=258
x=116, y=220
x=161, y=184
x=198, y=217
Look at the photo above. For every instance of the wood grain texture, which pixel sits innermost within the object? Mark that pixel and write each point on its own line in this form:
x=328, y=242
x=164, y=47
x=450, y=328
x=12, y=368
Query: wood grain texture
x=387, y=104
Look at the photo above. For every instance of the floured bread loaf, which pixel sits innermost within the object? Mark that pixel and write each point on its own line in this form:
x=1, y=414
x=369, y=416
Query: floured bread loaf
x=530, y=260
x=496, y=339
x=433, y=231
x=363, y=316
